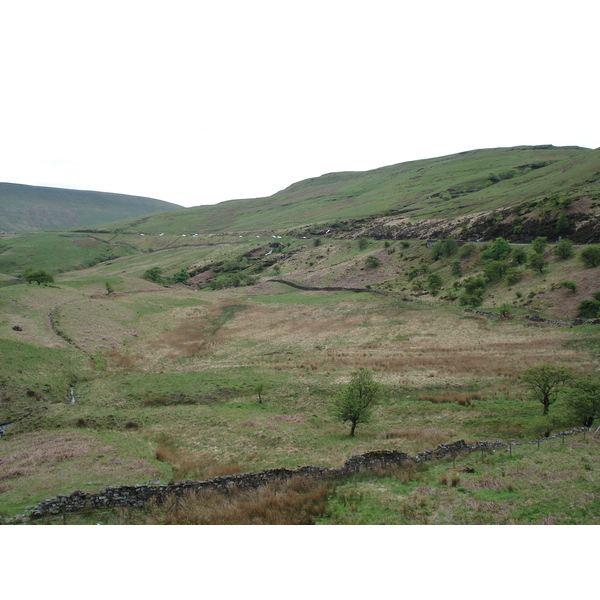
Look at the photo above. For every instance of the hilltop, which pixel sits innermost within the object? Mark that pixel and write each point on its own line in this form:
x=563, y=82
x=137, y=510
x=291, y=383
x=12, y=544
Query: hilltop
x=465, y=194
x=30, y=208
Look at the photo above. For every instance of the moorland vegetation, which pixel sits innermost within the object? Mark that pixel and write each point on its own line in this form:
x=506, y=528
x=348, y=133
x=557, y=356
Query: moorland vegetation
x=235, y=349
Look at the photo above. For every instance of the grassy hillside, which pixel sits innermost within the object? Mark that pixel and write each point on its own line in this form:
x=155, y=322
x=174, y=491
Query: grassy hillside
x=165, y=378
x=29, y=208
x=110, y=376
x=444, y=187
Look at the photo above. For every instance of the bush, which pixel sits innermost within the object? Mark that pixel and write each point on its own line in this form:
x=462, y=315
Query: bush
x=499, y=249
x=434, y=283
x=564, y=249
x=513, y=276
x=154, y=274
x=590, y=255
x=372, y=262
x=539, y=245
x=569, y=285
x=466, y=250
x=495, y=270
x=518, y=256
x=537, y=262
x=362, y=243
x=588, y=309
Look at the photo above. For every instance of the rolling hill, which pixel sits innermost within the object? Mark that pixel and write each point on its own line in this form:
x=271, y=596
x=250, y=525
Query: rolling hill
x=30, y=208
x=439, y=189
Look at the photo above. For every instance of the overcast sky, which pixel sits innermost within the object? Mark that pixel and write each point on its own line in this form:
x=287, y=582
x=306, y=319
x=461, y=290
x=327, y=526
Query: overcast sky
x=196, y=102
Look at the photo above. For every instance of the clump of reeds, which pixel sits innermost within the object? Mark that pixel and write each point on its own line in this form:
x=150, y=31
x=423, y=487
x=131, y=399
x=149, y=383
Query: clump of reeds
x=299, y=501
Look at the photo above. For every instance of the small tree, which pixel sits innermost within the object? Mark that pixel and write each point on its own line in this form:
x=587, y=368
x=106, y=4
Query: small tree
x=38, y=275
x=362, y=243
x=582, y=398
x=544, y=382
x=562, y=224
x=499, y=249
x=181, y=275
x=590, y=255
x=259, y=388
x=372, y=262
x=154, y=274
x=537, y=262
x=564, y=249
x=539, y=245
x=355, y=402
x=434, y=283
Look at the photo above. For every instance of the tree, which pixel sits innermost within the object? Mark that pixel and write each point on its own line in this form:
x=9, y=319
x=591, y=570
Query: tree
x=259, y=388
x=38, y=275
x=564, y=249
x=181, y=275
x=539, y=245
x=372, y=262
x=499, y=249
x=562, y=224
x=583, y=399
x=537, y=262
x=154, y=274
x=355, y=402
x=434, y=283
x=590, y=255
x=544, y=382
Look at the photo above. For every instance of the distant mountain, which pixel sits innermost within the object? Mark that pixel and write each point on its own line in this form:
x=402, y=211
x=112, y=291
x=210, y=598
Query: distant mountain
x=30, y=208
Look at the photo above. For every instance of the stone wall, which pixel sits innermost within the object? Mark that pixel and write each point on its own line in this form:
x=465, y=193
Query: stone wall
x=140, y=495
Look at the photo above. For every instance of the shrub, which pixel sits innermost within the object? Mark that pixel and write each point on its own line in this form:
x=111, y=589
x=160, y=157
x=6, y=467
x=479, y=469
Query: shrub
x=539, y=245
x=537, y=262
x=362, y=243
x=154, y=274
x=499, y=249
x=564, y=249
x=590, y=255
x=495, y=270
x=588, y=309
x=570, y=285
x=513, y=276
x=434, y=283
x=466, y=250
x=372, y=262
x=562, y=224
x=456, y=267
x=518, y=256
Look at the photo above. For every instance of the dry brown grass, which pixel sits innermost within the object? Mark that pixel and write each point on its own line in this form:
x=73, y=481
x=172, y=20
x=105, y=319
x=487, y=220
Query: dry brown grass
x=431, y=437
x=296, y=502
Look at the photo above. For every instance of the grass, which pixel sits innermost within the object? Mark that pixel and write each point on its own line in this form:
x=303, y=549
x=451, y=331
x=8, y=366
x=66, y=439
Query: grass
x=166, y=377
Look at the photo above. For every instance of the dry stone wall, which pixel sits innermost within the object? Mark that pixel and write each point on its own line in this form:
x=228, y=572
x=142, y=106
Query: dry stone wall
x=138, y=496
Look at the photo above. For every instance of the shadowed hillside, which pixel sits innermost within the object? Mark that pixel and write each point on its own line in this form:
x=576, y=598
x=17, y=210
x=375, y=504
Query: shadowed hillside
x=29, y=208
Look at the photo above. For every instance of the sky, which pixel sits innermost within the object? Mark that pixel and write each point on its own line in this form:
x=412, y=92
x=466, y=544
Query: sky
x=197, y=102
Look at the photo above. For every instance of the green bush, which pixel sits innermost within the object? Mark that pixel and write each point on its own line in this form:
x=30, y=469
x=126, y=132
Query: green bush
x=499, y=249
x=564, y=249
x=518, y=256
x=590, y=255
x=539, y=245
x=569, y=285
x=588, y=309
x=513, y=275
x=372, y=262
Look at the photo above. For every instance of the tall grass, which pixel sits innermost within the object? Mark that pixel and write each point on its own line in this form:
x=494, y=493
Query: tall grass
x=299, y=501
